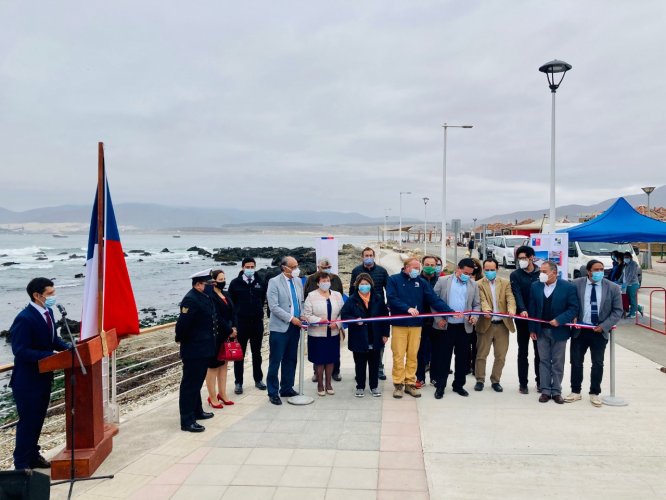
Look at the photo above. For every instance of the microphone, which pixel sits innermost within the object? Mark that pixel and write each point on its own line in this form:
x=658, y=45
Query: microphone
x=62, y=310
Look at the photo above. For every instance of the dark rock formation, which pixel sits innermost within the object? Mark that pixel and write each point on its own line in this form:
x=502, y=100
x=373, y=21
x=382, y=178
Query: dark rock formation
x=79, y=275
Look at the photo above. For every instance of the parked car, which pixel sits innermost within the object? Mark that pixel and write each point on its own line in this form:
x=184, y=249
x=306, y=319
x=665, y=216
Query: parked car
x=580, y=253
x=504, y=247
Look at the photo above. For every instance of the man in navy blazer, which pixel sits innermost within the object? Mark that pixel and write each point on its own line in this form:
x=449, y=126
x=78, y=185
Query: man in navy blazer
x=34, y=337
x=553, y=300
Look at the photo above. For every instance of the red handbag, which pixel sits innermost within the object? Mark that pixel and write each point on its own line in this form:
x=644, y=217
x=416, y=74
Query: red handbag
x=230, y=351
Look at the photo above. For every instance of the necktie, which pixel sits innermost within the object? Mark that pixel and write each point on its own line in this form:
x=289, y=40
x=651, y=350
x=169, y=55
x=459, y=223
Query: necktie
x=593, y=305
x=47, y=316
x=294, y=300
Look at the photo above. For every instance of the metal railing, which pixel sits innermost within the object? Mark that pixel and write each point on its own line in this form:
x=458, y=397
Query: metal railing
x=653, y=290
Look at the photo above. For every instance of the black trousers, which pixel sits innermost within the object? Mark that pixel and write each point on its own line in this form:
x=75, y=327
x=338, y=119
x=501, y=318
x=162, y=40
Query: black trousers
x=596, y=343
x=189, y=398
x=472, y=342
x=250, y=330
x=523, y=329
x=369, y=359
x=444, y=344
x=31, y=406
x=424, y=355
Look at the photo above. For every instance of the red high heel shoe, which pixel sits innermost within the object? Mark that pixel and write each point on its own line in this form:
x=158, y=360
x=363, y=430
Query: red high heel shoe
x=212, y=405
x=228, y=403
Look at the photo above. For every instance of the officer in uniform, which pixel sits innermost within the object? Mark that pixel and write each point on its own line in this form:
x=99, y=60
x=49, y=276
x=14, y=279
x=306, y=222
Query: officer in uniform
x=195, y=331
x=34, y=337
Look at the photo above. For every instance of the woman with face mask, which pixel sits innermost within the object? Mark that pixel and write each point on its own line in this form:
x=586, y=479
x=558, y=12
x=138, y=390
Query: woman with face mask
x=216, y=377
x=366, y=339
x=323, y=304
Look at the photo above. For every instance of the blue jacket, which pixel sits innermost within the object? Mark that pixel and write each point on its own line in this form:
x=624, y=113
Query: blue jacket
x=403, y=293
x=360, y=335
x=564, y=307
x=32, y=341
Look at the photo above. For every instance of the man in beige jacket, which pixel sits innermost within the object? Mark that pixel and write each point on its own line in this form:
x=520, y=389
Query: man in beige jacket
x=496, y=297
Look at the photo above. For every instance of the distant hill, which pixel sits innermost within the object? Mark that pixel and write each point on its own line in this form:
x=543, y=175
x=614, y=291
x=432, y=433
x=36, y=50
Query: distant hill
x=657, y=199
x=153, y=216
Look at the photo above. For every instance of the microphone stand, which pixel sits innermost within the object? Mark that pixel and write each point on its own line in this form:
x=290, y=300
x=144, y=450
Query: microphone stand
x=72, y=386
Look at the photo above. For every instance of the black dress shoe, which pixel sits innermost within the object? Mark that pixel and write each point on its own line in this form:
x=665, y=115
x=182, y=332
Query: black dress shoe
x=497, y=388
x=478, y=386
x=337, y=377
x=382, y=376
x=260, y=385
x=40, y=463
x=275, y=400
x=289, y=393
x=461, y=391
x=558, y=399
x=238, y=389
x=204, y=416
x=195, y=427
x=439, y=393
x=544, y=398
x=523, y=389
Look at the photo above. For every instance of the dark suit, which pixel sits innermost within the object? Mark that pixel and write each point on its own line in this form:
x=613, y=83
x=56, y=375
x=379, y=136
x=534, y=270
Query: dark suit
x=196, y=329
x=562, y=305
x=32, y=340
x=610, y=311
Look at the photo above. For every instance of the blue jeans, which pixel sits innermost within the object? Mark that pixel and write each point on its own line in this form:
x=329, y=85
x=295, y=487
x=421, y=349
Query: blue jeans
x=283, y=348
x=632, y=293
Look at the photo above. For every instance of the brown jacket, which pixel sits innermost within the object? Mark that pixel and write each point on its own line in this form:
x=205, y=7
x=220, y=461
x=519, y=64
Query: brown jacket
x=506, y=303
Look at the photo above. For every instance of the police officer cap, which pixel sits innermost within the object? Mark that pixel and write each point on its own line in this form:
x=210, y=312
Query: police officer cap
x=201, y=276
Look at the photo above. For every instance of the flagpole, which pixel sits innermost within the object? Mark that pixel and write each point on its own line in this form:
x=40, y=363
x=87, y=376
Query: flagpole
x=100, y=233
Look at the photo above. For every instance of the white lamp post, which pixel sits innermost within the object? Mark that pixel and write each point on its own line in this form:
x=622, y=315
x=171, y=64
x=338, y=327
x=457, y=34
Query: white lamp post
x=386, y=211
x=400, y=226
x=648, y=190
x=550, y=69
x=425, y=225
x=443, y=248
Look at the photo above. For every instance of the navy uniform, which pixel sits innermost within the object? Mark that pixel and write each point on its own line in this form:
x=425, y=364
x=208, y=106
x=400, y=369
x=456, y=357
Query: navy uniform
x=196, y=329
x=34, y=337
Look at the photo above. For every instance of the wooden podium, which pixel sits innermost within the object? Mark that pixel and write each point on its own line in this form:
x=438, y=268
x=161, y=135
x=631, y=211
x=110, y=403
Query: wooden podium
x=93, y=439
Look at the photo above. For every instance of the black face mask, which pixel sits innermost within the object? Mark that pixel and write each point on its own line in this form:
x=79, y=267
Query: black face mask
x=220, y=284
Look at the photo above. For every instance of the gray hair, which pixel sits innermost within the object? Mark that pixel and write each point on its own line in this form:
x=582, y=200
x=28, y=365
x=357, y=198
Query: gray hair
x=285, y=260
x=323, y=262
x=551, y=265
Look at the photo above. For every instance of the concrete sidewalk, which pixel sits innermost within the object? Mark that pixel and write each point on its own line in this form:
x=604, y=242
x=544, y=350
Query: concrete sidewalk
x=487, y=445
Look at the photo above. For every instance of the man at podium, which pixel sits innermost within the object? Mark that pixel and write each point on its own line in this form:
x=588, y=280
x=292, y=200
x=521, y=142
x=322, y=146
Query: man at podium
x=34, y=337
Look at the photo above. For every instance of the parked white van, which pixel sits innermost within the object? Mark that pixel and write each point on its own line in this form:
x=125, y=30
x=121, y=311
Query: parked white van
x=503, y=248
x=580, y=253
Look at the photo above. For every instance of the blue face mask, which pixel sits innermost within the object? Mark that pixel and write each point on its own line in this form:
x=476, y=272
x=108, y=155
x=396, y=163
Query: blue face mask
x=50, y=301
x=368, y=261
x=364, y=288
x=248, y=272
x=597, y=276
x=491, y=275
x=464, y=278
x=414, y=273
x=438, y=269
x=327, y=270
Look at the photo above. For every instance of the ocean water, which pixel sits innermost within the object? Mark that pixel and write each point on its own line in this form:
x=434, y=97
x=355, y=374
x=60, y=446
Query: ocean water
x=159, y=281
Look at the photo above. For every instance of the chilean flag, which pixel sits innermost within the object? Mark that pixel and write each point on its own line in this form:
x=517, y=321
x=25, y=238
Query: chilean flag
x=118, y=304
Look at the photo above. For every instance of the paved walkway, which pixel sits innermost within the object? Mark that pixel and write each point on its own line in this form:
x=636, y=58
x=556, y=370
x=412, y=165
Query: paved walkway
x=485, y=446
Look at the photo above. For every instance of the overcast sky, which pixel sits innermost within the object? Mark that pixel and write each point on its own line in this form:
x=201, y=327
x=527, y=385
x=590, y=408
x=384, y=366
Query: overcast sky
x=332, y=105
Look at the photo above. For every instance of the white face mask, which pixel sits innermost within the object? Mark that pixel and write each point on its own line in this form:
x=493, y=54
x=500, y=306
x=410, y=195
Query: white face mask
x=543, y=277
x=523, y=263
x=325, y=287
x=295, y=273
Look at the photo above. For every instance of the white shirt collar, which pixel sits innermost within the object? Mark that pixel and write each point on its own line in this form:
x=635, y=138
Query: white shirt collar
x=41, y=309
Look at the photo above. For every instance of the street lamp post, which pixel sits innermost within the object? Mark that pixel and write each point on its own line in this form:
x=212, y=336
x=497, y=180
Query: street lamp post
x=648, y=190
x=550, y=69
x=425, y=225
x=446, y=126
x=386, y=211
x=400, y=226
x=474, y=235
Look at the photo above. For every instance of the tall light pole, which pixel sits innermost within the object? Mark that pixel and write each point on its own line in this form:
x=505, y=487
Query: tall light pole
x=400, y=227
x=386, y=211
x=550, y=69
x=648, y=190
x=473, y=235
x=425, y=225
x=446, y=126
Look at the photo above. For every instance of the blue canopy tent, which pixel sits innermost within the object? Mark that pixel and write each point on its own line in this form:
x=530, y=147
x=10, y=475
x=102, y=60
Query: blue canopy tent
x=619, y=224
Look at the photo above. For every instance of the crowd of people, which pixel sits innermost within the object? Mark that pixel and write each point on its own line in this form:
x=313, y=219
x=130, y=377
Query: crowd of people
x=433, y=321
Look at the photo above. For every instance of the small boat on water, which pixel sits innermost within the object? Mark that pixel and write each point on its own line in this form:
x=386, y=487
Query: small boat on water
x=58, y=235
